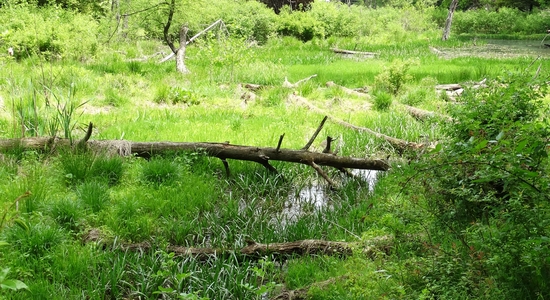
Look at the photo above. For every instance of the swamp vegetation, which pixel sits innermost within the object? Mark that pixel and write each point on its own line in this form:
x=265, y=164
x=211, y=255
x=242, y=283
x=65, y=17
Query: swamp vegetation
x=463, y=216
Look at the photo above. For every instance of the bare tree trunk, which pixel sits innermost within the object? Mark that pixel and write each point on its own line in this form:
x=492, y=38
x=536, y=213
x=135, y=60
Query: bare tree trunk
x=449, y=21
x=180, y=54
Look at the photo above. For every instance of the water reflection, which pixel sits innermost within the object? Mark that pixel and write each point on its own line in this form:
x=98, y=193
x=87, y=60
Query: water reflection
x=316, y=197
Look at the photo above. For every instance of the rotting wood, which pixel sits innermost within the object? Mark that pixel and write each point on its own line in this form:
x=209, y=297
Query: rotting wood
x=397, y=143
x=370, y=248
x=352, y=52
x=253, y=249
x=448, y=87
x=302, y=247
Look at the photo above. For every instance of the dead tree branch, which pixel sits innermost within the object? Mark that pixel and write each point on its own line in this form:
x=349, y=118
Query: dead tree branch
x=397, y=143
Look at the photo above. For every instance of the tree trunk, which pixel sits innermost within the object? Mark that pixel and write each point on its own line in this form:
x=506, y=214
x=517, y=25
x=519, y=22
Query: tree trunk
x=449, y=21
x=180, y=54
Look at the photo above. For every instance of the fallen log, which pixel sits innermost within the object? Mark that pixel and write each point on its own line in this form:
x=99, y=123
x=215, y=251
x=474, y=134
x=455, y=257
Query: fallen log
x=223, y=151
x=397, y=143
x=421, y=114
x=370, y=248
x=253, y=249
x=352, y=52
x=289, y=85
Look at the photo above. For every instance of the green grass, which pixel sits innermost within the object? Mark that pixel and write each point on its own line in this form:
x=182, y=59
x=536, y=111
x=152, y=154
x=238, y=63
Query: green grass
x=186, y=199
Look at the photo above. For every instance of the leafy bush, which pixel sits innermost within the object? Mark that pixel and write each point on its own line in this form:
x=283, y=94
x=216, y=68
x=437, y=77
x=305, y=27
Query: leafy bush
x=301, y=25
x=488, y=187
x=49, y=31
x=337, y=19
x=258, y=26
x=503, y=21
x=393, y=77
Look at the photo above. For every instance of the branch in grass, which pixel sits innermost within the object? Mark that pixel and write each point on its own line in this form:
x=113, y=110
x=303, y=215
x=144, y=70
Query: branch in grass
x=400, y=144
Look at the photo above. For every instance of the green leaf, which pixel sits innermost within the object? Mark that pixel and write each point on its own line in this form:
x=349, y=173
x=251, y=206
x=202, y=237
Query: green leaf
x=521, y=145
x=21, y=224
x=13, y=284
x=3, y=274
x=481, y=145
x=4, y=243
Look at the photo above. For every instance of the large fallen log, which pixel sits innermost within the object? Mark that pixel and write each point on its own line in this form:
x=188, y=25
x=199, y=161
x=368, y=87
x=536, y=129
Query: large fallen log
x=223, y=151
x=253, y=249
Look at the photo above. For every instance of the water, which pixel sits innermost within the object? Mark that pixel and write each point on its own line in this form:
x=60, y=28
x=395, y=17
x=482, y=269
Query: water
x=315, y=197
x=501, y=49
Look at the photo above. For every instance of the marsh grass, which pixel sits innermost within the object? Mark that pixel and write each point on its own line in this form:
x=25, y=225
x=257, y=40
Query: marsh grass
x=93, y=195
x=160, y=171
x=67, y=213
x=185, y=199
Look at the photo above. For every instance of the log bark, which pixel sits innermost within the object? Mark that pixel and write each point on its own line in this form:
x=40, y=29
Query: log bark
x=253, y=249
x=223, y=151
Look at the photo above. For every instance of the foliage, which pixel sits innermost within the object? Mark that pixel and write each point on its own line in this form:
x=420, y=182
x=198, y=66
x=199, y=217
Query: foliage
x=49, y=32
x=503, y=21
x=488, y=188
x=258, y=26
x=11, y=284
x=392, y=79
x=301, y=25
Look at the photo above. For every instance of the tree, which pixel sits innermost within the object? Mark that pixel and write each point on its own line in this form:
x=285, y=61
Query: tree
x=180, y=51
x=449, y=21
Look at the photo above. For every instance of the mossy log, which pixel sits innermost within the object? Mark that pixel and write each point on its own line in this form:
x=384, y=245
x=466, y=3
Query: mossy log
x=253, y=249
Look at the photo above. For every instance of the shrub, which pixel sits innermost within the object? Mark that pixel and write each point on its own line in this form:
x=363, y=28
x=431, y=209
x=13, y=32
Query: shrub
x=393, y=77
x=301, y=25
x=48, y=31
x=488, y=192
